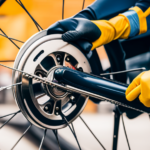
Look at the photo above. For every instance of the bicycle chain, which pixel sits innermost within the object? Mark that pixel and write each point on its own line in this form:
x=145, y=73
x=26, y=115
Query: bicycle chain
x=45, y=81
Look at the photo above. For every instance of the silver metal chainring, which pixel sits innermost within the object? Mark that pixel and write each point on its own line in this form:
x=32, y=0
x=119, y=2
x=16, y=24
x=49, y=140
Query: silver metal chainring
x=39, y=102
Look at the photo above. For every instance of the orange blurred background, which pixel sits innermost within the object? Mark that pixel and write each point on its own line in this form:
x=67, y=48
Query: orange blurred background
x=15, y=22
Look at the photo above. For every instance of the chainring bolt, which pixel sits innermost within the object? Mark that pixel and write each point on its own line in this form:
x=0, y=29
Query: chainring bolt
x=57, y=108
x=72, y=97
x=58, y=58
x=47, y=107
x=67, y=58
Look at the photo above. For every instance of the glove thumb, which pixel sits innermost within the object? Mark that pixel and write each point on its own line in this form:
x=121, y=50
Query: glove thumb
x=85, y=30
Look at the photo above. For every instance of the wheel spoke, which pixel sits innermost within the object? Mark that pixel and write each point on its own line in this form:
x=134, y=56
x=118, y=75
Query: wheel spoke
x=73, y=129
x=83, y=4
x=9, y=86
x=21, y=137
x=124, y=128
x=35, y=22
x=45, y=81
x=124, y=71
x=92, y=133
x=9, y=120
x=64, y=118
x=63, y=9
x=10, y=114
x=43, y=139
x=74, y=132
x=7, y=60
x=1, y=2
x=9, y=39
x=56, y=135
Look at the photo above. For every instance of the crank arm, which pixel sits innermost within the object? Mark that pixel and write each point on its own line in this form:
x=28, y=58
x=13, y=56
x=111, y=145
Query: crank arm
x=96, y=87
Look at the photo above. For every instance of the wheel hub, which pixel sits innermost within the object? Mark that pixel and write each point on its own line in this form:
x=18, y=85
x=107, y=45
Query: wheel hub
x=54, y=91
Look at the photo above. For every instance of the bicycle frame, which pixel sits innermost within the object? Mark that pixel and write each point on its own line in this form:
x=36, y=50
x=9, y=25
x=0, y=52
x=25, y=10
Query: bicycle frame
x=97, y=87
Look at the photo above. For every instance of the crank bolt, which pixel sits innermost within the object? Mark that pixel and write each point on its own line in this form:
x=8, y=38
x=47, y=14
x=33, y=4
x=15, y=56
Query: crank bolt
x=57, y=108
x=57, y=113
x=47, y=107
x=72, y=97
x=67, y=58
x=58, y=57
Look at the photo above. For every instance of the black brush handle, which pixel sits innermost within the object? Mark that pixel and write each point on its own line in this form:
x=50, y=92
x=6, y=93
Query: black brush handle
x=97, y=85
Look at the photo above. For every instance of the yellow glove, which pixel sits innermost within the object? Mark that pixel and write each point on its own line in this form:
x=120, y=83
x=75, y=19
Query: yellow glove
x=140, y=86
x=128, y=24
x=100, y=32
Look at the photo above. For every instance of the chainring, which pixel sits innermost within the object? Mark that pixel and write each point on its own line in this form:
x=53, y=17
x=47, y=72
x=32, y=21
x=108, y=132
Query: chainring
x=40, y=103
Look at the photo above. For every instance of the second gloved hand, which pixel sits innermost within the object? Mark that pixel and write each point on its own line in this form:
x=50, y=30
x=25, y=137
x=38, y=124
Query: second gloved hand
x=140, y=86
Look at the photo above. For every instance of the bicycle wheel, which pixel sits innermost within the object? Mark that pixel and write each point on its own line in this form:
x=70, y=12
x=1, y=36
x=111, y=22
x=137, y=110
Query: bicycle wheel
x=40, y=103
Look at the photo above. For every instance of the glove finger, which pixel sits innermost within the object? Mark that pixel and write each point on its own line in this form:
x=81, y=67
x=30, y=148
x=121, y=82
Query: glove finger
x=72, y=36
x=76, y=36
x=84, y=45
x=144, y=101
x=133, y=94
x=134, y=83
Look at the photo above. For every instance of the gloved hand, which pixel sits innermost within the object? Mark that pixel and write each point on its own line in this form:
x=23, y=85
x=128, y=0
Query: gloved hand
x=96, y=33
x=71, y=24
x=95, y=11
x=140, y=86
x=79, y=30
x=100, y=32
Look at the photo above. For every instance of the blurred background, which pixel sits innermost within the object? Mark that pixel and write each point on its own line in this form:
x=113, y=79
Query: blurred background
x=16, y=23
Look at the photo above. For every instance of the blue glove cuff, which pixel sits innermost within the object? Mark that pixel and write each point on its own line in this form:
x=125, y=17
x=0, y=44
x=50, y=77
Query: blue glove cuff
x=134, y=22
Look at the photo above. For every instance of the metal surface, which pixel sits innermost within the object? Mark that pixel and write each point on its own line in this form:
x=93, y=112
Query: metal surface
x=131, y=70
x=92, y=133
x=9, y=86
x=98, y=87
x=43, y=139
x=21, y=136
x=53, y=90
x=24, y=72
x=116, y=129
x=84, y=92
